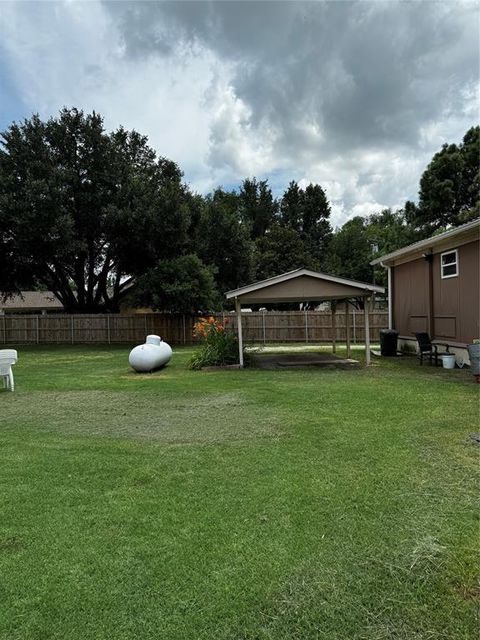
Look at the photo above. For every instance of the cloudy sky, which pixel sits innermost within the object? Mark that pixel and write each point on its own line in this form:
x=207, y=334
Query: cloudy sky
x=356, y=96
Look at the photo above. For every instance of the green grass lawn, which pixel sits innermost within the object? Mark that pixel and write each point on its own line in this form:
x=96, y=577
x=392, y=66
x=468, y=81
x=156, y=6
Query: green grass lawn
x=298, y=504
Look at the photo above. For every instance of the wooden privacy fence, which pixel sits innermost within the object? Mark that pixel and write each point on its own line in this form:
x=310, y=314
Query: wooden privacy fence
x=306, y=326
x=259, y=327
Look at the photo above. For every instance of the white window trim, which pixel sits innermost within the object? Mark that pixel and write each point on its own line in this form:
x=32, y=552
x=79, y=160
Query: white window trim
x=450, y=264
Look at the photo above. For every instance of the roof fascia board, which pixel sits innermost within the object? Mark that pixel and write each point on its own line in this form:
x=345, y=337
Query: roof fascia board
x=430, y=243
x=234, y=293
x=450, y=243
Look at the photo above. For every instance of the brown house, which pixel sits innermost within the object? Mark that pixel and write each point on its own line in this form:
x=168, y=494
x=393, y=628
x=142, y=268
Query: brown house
x=434, y=287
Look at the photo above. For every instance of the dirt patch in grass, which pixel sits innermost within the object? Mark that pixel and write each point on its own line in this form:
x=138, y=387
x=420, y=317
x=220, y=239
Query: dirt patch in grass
x=200, y=419
x=10, y=544
x=474, y=438
x=469, y=592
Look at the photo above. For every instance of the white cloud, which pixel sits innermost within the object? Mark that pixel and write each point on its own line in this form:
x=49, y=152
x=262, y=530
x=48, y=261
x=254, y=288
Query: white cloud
x=356, y=97
x=231, y=133
x=83, y=65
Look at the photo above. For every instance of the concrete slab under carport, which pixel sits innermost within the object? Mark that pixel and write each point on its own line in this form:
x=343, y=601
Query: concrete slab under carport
x=297, y=360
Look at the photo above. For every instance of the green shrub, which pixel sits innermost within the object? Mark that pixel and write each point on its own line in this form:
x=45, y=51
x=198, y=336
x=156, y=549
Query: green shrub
x=219, y=345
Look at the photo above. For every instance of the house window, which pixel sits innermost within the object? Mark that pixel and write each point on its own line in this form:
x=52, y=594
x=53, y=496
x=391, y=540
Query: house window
x=449, y=264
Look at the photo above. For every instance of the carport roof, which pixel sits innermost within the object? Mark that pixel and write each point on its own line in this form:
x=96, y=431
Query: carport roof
x=302, y=285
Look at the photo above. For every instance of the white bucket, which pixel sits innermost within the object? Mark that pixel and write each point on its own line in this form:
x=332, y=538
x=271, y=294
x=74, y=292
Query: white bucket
x=448, y=361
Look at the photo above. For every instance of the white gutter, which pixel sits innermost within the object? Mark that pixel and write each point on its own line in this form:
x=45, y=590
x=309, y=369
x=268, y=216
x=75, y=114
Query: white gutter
x=429, y=242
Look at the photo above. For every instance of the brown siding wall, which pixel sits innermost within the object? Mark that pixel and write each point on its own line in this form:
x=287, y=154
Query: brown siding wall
x=456, y=301
x=410, y=297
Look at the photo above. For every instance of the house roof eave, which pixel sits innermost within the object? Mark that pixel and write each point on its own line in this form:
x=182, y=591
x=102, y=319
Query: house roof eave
x=428, y=243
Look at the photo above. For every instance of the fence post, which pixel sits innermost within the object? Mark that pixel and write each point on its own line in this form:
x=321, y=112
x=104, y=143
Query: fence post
x=108, y=328
x=354, y=328
x=38, y=330
x=184, y=330
x=71, y=322
x=306, y=326
x=263, y=328
x=5, y=329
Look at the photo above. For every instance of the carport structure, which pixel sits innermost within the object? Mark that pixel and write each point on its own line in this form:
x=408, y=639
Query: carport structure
x=303, y=285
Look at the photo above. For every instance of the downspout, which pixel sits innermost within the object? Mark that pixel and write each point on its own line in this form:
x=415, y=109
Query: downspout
x=390, y=296
x=238, y=309
x=431, y=318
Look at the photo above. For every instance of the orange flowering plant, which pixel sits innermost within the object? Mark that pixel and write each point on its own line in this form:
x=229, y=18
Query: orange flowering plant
x=219, y=345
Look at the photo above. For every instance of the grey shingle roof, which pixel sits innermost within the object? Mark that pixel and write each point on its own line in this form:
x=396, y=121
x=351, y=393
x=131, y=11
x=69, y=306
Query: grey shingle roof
x=31, y=301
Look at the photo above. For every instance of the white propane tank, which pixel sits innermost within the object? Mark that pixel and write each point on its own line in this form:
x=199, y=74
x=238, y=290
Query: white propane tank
x=155, y=353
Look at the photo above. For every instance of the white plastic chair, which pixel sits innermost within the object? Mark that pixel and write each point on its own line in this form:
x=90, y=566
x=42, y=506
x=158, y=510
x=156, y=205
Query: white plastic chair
x=7, y=358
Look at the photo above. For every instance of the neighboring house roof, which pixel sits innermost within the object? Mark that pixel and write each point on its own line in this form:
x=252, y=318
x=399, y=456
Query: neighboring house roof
x=451, y=238
x=31, y=301
x=265, y=290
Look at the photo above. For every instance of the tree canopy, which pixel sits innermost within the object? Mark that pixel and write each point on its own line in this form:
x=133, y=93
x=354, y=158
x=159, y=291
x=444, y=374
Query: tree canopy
x=257, y=207
x=223, y=242
x=449, y=187
x=183, y=285
x=281, y=249
x=80, y=209
x=85, y=213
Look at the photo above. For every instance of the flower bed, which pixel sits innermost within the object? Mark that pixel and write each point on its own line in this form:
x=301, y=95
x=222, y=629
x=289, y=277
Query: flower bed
x=219, y=344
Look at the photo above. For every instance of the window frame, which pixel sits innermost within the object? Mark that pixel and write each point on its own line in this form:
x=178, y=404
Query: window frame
x=450, y=264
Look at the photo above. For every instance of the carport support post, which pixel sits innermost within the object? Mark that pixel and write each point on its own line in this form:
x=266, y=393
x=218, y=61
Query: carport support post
x=366, y=309
x=347, y=328
x=334, y=326
x=238, y=309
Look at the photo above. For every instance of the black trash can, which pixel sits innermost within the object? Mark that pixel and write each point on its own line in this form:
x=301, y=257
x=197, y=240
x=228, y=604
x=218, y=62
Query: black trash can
x=388, y=342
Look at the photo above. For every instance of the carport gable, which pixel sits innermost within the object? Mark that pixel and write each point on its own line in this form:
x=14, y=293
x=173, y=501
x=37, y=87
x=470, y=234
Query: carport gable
x=302, y=285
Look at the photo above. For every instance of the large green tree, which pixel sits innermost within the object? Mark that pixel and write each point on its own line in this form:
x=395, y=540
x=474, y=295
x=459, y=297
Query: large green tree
x=280, y=250
x=308, y=212
x=351, y=251
x=223, y=242
x=449, y=187
x=182, y=284
x=258, y=208
x=360, y=240
x=316, y=227
x=291, y=207
x=385, y=232
x=80, y=209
